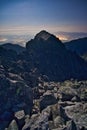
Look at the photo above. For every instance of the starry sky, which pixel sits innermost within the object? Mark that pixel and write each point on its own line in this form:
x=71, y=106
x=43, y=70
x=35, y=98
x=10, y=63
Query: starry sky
x=20, y=20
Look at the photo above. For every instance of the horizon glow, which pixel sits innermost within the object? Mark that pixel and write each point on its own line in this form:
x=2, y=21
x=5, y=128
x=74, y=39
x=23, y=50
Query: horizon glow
x=28, y=17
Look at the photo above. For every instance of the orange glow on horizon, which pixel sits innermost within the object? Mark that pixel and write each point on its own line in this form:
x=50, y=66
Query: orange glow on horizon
x=62, y=38
x=3, y=39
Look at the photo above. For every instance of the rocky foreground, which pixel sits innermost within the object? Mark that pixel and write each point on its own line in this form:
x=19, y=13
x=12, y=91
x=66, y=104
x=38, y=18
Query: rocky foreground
x=56, y=106
x=38, y=86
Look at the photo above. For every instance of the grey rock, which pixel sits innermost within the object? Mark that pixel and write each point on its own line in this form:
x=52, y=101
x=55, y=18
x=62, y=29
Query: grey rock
x=72, y=126
x=78, y=113
x=47, y=100
x=13, y=125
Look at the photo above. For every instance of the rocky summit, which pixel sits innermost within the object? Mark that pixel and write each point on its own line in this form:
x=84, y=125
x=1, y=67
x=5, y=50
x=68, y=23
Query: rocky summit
x=50, y=57
x=42, y=87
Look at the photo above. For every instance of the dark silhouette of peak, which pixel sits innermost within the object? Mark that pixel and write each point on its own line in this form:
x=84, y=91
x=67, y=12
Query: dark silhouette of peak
x=45, y=40
x=14, y=47
x=43, y=35
x=49, y=55
x=79, y=46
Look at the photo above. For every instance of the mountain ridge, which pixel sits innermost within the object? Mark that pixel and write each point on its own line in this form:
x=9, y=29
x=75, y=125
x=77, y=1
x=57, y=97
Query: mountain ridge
x=31, y=86
x=14, y=47
x=78, y=45
x=49, y=57
x=52, y=50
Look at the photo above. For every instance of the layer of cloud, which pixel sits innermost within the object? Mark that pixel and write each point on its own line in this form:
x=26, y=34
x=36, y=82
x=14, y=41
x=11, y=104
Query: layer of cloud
x=67, y=36
x=15, y=39
x=3, y=39
x=22, y=39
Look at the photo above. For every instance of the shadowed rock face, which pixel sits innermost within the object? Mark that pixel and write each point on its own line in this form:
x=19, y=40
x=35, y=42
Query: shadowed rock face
x=47, y=100
x=15, y=47
x=45, y=55
x=51, y=58
x=79, y=46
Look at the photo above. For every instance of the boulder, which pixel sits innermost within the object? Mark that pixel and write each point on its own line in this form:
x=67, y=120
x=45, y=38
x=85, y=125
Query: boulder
x=47, y=100
x=20, y=118
x=20, y=114
x=72, y=126
x=78, y=113
x=38, y=121
x=13, y=125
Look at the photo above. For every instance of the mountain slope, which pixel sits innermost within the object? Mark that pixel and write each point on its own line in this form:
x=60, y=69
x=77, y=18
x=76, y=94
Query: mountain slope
x=45, y=56
x=26, y=77
x=79, y=46
x=15, y=47
x=49, y=55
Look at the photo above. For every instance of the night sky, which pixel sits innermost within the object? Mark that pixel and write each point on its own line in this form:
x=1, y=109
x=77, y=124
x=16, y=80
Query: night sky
x=66, y=19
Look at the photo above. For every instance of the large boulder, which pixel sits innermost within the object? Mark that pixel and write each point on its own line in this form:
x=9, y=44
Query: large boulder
x=13, y=125
x=47, y=100
x=20, y=118
x=38, y=121
x=72, y=126
x=78, y=113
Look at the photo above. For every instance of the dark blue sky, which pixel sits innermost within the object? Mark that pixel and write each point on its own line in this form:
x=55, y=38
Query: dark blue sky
x=31, y=16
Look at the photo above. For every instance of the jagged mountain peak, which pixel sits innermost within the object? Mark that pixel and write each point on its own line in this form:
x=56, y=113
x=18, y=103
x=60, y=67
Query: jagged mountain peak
x=53, y=59
x=44, y=39
x=43, y=35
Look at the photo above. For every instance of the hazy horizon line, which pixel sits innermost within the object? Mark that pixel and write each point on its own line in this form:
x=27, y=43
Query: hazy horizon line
x=23, y=38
